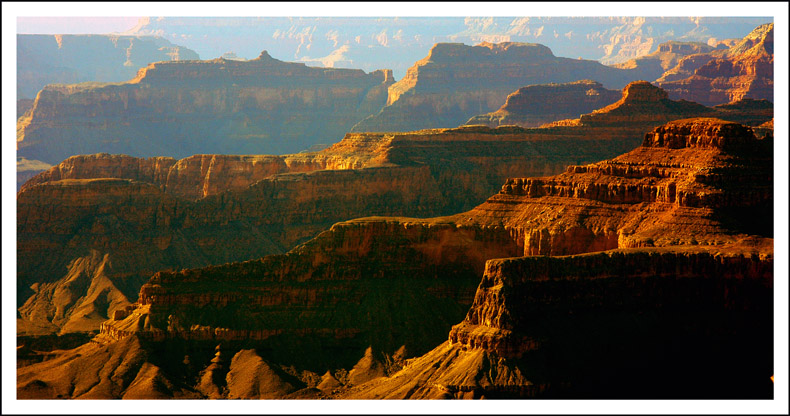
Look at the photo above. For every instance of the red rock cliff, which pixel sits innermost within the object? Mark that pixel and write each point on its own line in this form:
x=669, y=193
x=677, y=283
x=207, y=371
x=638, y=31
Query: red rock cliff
x=743, y=71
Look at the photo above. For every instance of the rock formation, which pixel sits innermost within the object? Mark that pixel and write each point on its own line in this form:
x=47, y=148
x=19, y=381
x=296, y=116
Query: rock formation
x=743, y=71
x=93, y=228
x=369, y=43
x=688, y=215
x=667, y=56
x=620, y=324
x=27, y=169
x=455, y=82
x=68, y=59
x=178, y=109
x=686, y=285
x=541, y=104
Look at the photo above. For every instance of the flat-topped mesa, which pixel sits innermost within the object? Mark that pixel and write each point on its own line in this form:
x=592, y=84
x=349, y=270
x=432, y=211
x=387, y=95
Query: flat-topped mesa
x=153, y=170
x=274, y=202
x=535, y=105
x=686, y=48
x=499, y=320
x=177, y=109
x=263, y=70
x=685, y=162
x=701, y=133
x=518, y=49
x=644, y=102
x=455, y=82
x=547, y=327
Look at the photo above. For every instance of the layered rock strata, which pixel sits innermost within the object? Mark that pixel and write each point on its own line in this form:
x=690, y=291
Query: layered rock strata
x=620, y=324
x=743, y=71
x=654, y=65
x=688, y=211
x=209, y=209
x=455, y=82
x=182, y=108
x=540, y=104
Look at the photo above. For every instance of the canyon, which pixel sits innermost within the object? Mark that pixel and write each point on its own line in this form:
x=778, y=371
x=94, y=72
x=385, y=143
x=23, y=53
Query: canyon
x=69, y=59
x=745, y=70
x=370, y=43
x=456, y=81
x=93, y=228
x=526, y=107
x=684, y=222
x=181, y=108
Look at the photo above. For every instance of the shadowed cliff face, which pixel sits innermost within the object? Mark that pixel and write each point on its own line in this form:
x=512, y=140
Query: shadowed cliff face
x=50, y=59
x=687, y=258
x=743, y=71
x=635, y=324
x=189, y=107
x=160, y=213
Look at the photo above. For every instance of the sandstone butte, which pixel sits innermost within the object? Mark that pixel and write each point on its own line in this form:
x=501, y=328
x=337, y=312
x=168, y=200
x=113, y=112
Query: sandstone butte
x=648, y=275
x=456, y=81
x=182, y=108
x=51, y=59
x=92, y=229
x=745, y=70
x=535, y=105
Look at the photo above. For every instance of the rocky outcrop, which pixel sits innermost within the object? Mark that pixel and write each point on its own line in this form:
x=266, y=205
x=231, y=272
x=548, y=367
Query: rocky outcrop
x=68, y=59
x=582, y=326
x=693, y=200
x=27, y=169
x=159, y=213
x=395, y=42
x=743, y=71
x=687, y=280
x=652, y=66
x=540, y=104
x=22, y=106
x=183, y=108
x=455, y=82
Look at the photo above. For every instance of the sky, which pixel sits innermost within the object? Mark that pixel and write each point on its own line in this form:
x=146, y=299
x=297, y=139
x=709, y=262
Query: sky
x=84, y=25
x=74, y=25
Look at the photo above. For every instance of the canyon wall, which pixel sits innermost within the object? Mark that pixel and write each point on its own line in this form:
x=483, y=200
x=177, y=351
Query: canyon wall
x=135, y=216
x=455, y=82
x=688, y=214
x=69, y=59
x=369, y=43
x=210, y=209
x=535, y=105
x=177, y=109
x=745, y=70
x=623, y=324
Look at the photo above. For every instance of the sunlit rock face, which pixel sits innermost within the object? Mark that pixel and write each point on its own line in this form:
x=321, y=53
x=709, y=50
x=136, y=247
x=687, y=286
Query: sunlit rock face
x=686, y=271
x=682, y=280
x=209, y=209
x=745, y=70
